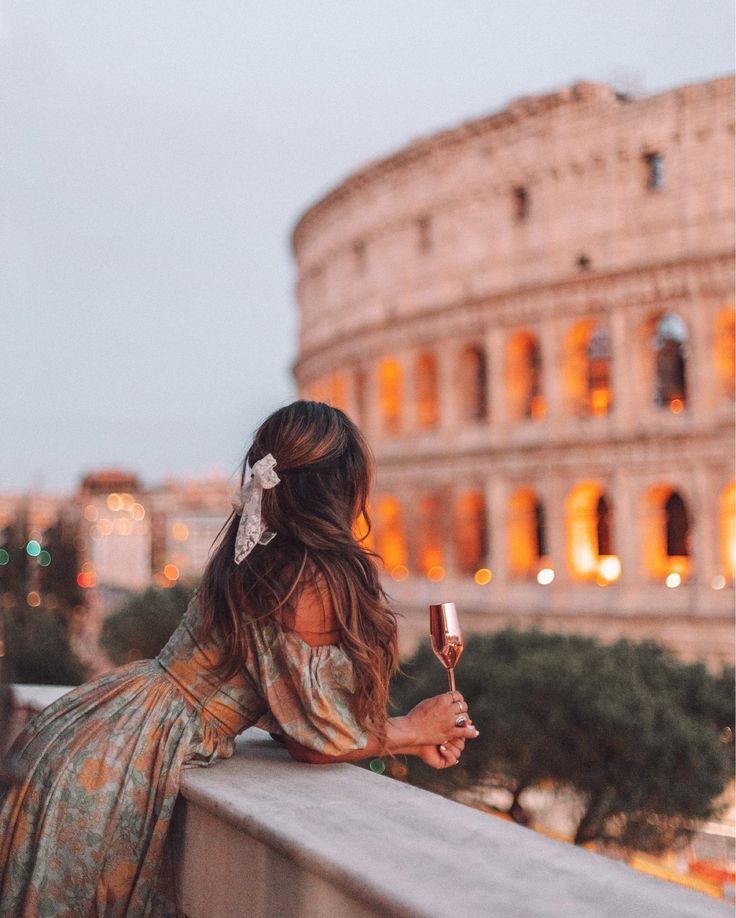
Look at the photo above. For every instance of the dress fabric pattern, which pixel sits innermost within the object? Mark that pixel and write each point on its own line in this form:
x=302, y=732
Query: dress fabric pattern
x=85, y=833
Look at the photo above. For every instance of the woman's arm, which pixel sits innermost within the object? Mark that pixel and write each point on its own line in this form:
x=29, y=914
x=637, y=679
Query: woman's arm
x=425, y=731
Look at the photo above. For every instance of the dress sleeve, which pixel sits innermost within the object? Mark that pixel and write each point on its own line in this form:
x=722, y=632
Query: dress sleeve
x=309, y=694
x=307, y=686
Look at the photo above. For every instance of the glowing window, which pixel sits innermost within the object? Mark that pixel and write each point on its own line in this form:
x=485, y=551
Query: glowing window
x=588, y=535
x=471, y=532
x=526, y=533
x=727, y=526
x=427, y=401
x=669, y=343
x=724, y=342
x=472, y=384
x=524, y=376
x=429, y=532
x=666, y=534
x=587, y=369
x=389, y=389
x=390, y=533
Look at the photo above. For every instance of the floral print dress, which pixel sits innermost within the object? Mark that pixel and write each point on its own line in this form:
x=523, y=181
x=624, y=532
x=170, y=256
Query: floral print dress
x=85, y=832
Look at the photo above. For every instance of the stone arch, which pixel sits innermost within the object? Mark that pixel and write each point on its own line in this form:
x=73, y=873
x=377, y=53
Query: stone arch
x=666, y=533
x=472, y=383
x=586, y=369
x=471, y=531
x=426, y=394
x=526, y=533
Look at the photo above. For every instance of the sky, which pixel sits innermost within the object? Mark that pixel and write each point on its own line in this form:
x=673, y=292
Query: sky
x=155, y=156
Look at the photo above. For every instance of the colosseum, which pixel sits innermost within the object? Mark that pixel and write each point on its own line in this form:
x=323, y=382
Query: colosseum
x=532, y=318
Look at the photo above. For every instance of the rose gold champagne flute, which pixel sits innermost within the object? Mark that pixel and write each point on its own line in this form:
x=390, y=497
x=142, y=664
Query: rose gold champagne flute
x=446, y=636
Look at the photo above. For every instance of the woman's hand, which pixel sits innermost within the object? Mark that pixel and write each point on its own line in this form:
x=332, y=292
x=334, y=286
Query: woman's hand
x=444, y=756
x=433, y=721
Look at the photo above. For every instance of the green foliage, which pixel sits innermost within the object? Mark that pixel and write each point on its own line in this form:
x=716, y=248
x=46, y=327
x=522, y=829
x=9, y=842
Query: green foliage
x=636, y=733
x=139, y=630
x=38, y=650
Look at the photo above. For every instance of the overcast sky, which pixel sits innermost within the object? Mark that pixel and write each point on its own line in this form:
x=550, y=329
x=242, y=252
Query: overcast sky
x=155, y=157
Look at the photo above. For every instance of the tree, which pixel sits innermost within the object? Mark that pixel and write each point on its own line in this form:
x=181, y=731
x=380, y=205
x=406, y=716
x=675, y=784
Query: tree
x=145, y=622
x=635, y=733
x=38, y=650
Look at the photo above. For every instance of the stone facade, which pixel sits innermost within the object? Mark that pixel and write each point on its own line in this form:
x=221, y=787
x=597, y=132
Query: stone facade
x=532, y=318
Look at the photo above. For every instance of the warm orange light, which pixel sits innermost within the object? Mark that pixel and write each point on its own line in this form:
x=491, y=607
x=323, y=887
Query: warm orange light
x=676, y=405
x=389, y=394
x=86, y=579
x=114, y=502
x=399, y=572
x=180, y=532
x=600, y=401
x=609, y=568
x=673, y=579
x=471, y=536
x=724, y=341
x=521, y=539
x=104, y=527
x=137, y=511
x=483, y=576
x=436, y=573
x=582, y=536
x=123, y=526
x=390, y=536
x=427, y=399
x=33, y=599
x=90, y=513
x=538, y=407
x=727, y=527
x=126, y=501
x=171, y=572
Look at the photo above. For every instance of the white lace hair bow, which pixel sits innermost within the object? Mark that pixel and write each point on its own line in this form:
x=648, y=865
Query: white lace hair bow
x=247, y=502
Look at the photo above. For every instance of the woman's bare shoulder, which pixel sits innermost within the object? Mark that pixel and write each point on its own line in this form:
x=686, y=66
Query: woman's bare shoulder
x=313, y=616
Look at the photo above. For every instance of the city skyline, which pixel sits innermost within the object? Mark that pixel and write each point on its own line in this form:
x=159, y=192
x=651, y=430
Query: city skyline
x=151, y=186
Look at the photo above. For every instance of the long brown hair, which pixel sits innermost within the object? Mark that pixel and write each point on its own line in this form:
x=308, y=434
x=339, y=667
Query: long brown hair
x=325, y=470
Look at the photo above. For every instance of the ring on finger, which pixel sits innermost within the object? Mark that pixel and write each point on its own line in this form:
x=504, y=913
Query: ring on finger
x=461, y=720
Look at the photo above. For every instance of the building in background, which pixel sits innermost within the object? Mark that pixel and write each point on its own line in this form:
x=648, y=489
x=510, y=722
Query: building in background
x=532, y=318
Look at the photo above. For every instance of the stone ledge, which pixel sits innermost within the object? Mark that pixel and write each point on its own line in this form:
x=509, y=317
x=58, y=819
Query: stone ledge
x=265, y=833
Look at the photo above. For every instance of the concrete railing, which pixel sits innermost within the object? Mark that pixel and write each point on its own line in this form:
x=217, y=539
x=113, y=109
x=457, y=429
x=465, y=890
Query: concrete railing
x=265, y=836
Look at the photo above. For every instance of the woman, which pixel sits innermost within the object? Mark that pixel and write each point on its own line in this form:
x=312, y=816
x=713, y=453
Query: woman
x=288, y=630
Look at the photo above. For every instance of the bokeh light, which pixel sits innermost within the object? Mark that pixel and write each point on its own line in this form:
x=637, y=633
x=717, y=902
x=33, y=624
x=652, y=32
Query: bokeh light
x=33, y=548
x=673, y=579
x=399, y=572
x=180, y=532
x=483, y=576
x=436, y=573
x=546, y=575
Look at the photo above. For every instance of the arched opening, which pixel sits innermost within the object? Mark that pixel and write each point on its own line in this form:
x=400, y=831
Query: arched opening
x=426, y=394
x=666, y=535
x=429, y=536
x=471, y=532
x=524, y=377
x=727, y=526
x=587, y=369
x=391, y=536
x=724, y=340
x=669, y=347
x=390, y=396
x=526, y=533
x=472, y=382
x=588, y=535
